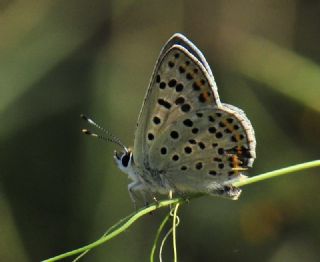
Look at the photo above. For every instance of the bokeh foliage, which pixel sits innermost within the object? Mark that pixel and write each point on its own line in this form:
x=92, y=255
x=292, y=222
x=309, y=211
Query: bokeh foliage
x=61, y=190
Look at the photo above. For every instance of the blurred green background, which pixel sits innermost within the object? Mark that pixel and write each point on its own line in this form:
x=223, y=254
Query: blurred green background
x=60, y=190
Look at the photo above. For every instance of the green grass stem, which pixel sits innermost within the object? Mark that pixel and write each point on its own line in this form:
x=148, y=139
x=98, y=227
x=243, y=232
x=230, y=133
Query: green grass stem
x=125, y=223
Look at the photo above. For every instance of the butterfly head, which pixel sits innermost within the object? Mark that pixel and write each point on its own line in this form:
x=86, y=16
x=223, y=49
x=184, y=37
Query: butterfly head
x=124, y=160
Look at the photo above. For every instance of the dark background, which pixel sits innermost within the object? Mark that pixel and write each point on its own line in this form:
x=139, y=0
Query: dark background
x=60, y=190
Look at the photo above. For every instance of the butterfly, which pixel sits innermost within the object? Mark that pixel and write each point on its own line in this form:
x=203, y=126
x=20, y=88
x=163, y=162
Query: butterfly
x=186, y=140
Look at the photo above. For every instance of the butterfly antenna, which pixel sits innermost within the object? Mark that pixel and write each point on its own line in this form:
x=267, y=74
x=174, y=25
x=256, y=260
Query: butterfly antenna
x=112, y=138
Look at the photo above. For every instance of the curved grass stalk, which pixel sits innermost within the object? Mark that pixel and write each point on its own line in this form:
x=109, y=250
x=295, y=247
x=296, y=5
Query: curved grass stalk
x=155, y=242
x=162, y=243
x=174, y=233
x=176, y=221
x=123, y=224
x=118, y=224
x=127, y=223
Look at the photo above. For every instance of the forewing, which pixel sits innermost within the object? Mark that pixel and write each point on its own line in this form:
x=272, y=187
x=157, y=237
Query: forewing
x=179, y=82
x=179, y=39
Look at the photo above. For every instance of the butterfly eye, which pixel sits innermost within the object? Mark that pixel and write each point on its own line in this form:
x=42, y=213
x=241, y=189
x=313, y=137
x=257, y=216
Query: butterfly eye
x=125, y=160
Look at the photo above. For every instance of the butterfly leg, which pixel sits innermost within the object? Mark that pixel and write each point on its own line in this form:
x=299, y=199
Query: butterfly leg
x=133, y=188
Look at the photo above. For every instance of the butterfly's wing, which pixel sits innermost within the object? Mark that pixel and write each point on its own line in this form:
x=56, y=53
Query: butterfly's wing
x=211, y=159
x=185, y=135
x=167, y=68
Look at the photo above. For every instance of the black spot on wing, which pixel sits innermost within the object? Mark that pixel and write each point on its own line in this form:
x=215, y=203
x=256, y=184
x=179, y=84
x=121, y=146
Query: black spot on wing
x=164, y=103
